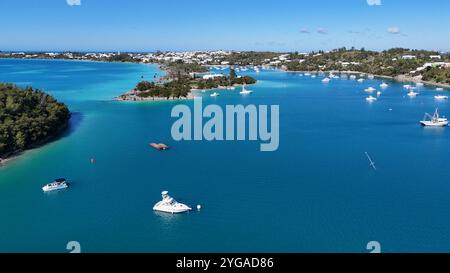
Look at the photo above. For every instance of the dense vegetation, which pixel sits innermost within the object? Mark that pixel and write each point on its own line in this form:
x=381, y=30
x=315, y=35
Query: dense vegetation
x=28, y=118
x=437, y=75
x=179, y=69
x=387, y=63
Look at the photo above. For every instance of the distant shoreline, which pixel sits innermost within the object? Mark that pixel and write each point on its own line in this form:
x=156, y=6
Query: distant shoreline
x=399, y=78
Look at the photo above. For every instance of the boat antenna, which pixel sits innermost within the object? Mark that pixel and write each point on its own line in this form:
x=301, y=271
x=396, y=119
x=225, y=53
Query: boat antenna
x=372, y=164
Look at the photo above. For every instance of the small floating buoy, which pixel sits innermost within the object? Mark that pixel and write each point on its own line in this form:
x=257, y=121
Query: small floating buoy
x=199, y=207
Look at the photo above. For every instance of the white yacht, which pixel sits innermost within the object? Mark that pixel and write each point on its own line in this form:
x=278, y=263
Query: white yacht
x=371, y=77
x=370, y=89
x=439, y=89
x=169, y=205
x=313, y=76
x=59, y=184
x=384, y=85
x=419, y=84
x=379, y=93
x=360, y=80
x=245, y=91
x=215, y=94
x=412, y=94
x=352, y=77
x=307, y=74
x=435, y=120
x=406, y=86
x=441, y=97
x=371, y=99
x=326, y=80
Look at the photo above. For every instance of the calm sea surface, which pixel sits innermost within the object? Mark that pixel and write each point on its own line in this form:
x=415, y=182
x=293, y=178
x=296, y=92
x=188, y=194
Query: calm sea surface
x=317, y=193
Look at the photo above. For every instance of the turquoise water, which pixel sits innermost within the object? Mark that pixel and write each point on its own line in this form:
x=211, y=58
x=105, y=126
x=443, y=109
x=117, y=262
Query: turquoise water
x=317, y=193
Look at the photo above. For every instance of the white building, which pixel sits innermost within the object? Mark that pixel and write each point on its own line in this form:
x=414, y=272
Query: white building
x=212, y=76
x=437, y=57
x=408, y=57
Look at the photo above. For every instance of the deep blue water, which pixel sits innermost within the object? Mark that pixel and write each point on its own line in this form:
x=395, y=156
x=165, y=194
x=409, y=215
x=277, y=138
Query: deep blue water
x=317, y=193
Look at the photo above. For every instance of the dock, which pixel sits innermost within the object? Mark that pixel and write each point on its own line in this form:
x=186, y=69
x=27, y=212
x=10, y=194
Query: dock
x=159, y=146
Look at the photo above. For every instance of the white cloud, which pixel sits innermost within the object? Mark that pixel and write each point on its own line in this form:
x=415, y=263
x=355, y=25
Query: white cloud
x=304, y=30
x=393, y=30
x=322, y=31
x=374, y=2
x=73, y=2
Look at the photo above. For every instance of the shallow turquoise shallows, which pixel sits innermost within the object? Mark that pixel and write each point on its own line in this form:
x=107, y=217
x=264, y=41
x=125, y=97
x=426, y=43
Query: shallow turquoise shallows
x=317, y=193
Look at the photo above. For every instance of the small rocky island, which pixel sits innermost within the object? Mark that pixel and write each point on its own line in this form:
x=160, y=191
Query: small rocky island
x=28, y=118
x=180, y=85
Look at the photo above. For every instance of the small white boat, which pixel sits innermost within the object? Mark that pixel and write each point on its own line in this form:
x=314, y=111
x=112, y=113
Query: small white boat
x=313, y=76
x=169, y=205
x=379, y=93
x=371, y=99
x=245, y=91
x=441, y=97
x=384, y=85
x=59, y=184
x=307, y=74
x=406, y=86
x=352, y=77
x=434, y=121
x=231, y=88
x=215, y=94
x=370, y=89
x=439, y=89
x=371, y=77
x=326, y=80
x=419, y=84
x=360, y=80
x=412, y=94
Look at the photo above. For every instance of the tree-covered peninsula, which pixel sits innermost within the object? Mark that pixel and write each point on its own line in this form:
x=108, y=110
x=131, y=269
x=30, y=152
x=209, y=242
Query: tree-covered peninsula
x=28, y=118
x=180, y=85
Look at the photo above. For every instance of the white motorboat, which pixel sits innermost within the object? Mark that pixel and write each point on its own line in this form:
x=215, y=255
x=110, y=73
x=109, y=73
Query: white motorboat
x=379, y=93
x=371, y=77
x=384, y=85
x=360, y=80
x=245, y=91
x=434, y=121
x=406, y=86
x=215, y=94
x=170, y=205
x=441, y=97
x=413, y=94
x=307, y=74
x=419, y=84
x=439, y=89
x=59, y=184
x=313, y=76
x=371, y=99
x=352, y=77
x=370, y=89
x=326, y=80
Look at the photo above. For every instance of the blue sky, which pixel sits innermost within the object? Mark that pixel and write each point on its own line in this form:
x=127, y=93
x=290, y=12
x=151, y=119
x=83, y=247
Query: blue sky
x=282, y=25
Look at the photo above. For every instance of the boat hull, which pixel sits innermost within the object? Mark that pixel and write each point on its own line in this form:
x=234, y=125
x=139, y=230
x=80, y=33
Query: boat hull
x=434, y=124
x=50, y=189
